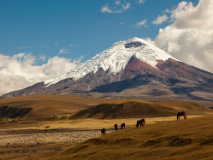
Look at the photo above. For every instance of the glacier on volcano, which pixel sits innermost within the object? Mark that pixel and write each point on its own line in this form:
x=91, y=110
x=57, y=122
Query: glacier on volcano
x=115, y=59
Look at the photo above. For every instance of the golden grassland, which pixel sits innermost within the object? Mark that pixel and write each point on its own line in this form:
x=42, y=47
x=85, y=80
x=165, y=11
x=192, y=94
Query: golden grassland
x=171, y=140
x=163, y=137
x=81, y=124
x=61, y=107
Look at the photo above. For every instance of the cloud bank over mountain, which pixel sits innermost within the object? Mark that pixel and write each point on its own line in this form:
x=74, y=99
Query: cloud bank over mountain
x=190, y=36
x=19, y=71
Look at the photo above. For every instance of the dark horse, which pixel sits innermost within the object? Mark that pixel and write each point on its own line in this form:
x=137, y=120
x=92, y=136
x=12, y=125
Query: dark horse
x=103, y=131
x=123, y=126
x=140, y=123
x=116, y=127
x=181, y=114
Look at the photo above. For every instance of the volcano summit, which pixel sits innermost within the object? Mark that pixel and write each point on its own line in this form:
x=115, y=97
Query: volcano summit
x=130, y=69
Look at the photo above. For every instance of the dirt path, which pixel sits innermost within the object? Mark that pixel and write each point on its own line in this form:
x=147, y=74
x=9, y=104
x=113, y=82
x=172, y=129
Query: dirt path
x=25, y=146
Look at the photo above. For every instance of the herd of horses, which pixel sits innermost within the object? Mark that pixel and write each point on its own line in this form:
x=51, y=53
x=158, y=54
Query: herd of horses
x=141, y=123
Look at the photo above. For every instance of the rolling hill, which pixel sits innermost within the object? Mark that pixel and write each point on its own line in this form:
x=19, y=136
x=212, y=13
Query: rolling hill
x=53, y=107
x=139, y=109
x=44, y=107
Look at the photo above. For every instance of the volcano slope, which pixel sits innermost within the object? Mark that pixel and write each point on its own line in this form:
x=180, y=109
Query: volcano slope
x=130, y=69
x=184, y=139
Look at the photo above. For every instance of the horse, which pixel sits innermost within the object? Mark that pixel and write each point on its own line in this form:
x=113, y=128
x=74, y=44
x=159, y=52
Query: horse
x=143, y=121
x=140, y=122
x=181, y=114
x=116, y=127
x=123, y=126
x=103, y=131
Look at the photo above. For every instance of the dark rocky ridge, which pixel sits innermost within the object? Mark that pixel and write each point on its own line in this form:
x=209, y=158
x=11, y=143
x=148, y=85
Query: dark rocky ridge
x=133, y=44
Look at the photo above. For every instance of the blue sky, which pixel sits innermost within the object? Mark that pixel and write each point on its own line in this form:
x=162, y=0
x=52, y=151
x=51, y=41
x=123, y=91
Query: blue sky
x=43, y=27
x=43, y=39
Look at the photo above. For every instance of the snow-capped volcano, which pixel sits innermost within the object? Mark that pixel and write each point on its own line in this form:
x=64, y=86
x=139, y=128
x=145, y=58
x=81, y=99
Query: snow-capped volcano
x=116, y=58
x=130, y=69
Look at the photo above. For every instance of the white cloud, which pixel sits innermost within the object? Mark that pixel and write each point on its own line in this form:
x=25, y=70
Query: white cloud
x=126, y=6
x=42, y=58
x=105, y=9
x=190, y=36
x=141, y=1
x=188, y=16
x=160, y=20
x=117, y=7
x=118, y=2
x=142, y=23
x=78, y=61
x=20, y=71
x=62, y=51
x=150, y=41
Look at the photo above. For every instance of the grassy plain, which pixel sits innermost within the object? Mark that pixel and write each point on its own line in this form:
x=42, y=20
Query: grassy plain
x=163, y=137
x=171, y=140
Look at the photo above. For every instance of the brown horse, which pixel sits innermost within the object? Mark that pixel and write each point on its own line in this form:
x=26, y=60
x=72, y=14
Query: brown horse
x=181, y=114
x=103, y=131
x=116, y=127
x=123, y=126
x=140, y=123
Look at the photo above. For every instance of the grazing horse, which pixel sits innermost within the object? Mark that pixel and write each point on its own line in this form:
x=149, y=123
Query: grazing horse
x=116, y=127
x=103, y=131
x=123, y=126
x=140, y=122
x=181, y=114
